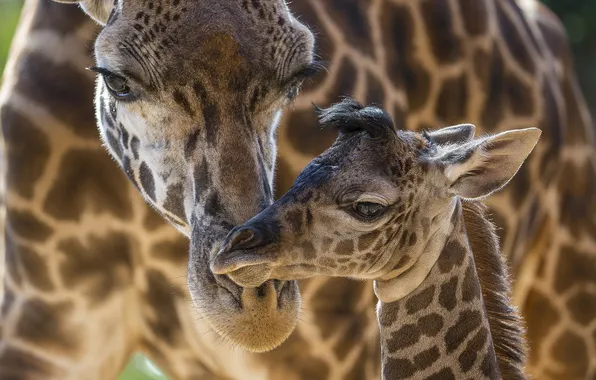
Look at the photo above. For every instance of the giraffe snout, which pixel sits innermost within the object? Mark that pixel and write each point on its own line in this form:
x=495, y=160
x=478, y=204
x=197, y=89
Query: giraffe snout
x=246, y=255
x=247, y=237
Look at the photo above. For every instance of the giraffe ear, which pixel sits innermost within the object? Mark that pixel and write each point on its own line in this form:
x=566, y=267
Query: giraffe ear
x=457, y=134
x=99, y=10
x=480, y=167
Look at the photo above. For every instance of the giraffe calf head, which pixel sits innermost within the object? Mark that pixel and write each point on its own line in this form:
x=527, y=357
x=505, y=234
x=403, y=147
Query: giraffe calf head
x=369, y=206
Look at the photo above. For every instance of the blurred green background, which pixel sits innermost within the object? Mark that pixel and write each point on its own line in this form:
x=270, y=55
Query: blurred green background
x=577, y=15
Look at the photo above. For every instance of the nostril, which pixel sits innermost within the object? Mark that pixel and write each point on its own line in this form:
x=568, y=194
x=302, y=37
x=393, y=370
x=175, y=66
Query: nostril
x=247, y=246
x=242, y=238
x=246, y=238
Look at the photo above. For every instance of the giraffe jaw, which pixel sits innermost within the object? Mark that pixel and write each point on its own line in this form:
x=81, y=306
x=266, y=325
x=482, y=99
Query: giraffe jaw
x=252, y=313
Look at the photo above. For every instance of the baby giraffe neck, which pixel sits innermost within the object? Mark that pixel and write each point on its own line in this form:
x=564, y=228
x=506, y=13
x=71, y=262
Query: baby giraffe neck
x=443, y=329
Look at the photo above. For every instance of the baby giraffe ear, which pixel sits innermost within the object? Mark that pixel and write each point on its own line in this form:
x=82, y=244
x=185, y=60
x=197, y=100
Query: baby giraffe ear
x=480, y=167
x=99, y=10
x=457, y=134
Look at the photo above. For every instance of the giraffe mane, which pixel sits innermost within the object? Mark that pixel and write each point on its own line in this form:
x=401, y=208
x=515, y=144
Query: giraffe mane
x=507, y=328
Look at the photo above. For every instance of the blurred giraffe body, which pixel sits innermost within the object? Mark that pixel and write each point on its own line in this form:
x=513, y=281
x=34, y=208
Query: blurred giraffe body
x=93, y=274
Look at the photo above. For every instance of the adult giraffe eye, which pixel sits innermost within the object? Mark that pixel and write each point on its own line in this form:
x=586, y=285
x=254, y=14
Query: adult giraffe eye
x=368, y=210
x=116, y=85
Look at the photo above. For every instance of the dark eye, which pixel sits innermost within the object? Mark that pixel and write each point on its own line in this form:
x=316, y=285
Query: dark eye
x=368, y=210
x=115, y=83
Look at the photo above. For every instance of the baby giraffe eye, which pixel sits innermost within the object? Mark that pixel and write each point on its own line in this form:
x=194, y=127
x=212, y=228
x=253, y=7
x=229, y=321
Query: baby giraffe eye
x=368, y=210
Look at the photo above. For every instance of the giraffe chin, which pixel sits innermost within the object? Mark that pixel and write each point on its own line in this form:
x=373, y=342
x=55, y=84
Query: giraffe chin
x=254, y=318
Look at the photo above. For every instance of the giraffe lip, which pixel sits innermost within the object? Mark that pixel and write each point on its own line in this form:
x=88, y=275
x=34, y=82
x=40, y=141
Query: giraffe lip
x=226, y=262
x=233, y=289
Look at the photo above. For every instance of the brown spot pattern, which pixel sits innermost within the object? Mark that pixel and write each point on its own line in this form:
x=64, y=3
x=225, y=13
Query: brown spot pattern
x=348, y=15
x=572, y=268
x=35, y=268
x=451, y=256
x=398, y=369
x=174, y=202
x=174, y=250
x=404, y=68
x=388, y=313
x=494, y=86
x=431, y=324
x=468, y=357
x=519, y=96
x=43, y=324
x=161, y=298
x=426, y=358
x=513, y=38
x=577, y=185
x=27, y=226
x=474, y=15
x=63, y=89
x=466, y=323
x=409, y=334
x=102, y=265
x=355, y=327
x=447, y=296
x=27, y=151
x=420, y=300
x=88, y=180
x=540, y=318
x=470, y=288
x=571, y=349
x=520, y=186
x=338, y=297
x=59, y=18
x=294, y=219
x=345, y=247
x=437, y=16
x=444, y=374
x=583, y=307
x=19, y=364
x=453, y=100
x=308, y=250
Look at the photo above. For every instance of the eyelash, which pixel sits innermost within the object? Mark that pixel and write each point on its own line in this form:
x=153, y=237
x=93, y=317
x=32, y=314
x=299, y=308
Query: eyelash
x=294, y=84
x=107, y=75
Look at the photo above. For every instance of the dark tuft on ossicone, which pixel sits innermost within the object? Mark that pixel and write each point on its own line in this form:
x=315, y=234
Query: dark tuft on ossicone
x=349, y=116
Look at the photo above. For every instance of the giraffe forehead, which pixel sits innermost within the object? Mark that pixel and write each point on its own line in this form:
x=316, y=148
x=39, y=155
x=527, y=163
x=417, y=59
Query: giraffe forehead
x=175, y=39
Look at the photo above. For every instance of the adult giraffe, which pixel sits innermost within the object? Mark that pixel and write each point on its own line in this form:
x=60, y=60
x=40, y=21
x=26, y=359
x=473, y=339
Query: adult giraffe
x=76, y=254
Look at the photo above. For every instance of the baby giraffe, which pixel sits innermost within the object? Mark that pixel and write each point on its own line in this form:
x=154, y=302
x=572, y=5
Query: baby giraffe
x=401, y=208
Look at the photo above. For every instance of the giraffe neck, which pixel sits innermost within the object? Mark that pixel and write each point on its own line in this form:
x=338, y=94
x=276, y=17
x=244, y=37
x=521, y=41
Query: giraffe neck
x=457, y=323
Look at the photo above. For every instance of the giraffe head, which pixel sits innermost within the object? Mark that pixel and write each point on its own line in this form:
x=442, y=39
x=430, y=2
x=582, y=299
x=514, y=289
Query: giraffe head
x=188, y=98
x=374, y=204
